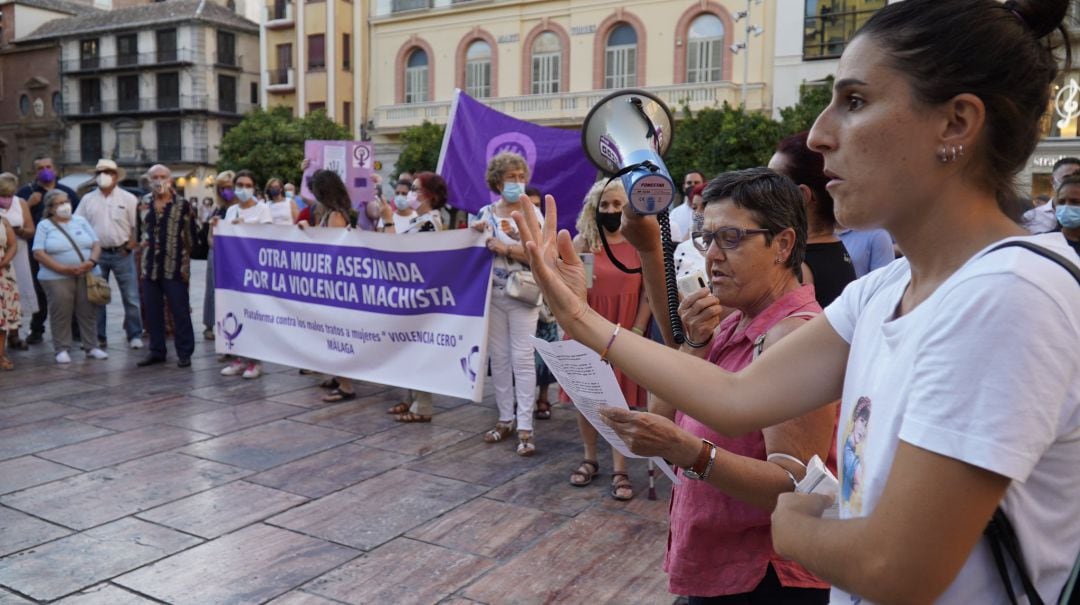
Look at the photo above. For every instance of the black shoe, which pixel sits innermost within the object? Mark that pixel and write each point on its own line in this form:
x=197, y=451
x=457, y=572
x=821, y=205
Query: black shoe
x=184, y=363
x=102, y=343
x=149, y=361
x=35, y=338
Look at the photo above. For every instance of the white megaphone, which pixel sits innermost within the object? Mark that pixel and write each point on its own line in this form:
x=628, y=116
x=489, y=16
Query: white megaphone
x=625, y=135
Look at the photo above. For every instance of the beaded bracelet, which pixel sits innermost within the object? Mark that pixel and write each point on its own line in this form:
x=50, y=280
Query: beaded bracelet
x=611, y=341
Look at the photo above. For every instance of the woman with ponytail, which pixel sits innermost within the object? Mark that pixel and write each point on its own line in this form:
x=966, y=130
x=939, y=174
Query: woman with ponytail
x=956, y=365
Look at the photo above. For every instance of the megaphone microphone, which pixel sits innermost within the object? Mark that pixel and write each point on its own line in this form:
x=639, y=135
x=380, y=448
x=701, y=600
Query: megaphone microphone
x=625, y=135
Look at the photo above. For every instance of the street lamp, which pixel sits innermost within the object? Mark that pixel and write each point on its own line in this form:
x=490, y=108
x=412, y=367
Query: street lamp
x=744, y=46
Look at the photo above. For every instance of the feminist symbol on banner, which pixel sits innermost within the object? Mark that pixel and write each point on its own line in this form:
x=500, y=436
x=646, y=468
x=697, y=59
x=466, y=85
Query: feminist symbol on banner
x=230, y=333
x=1067, y=103
x=361, y=156
x=467, y=364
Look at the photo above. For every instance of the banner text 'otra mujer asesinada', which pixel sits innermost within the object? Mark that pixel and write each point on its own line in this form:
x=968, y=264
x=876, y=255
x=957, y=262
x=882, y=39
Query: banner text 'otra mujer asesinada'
x=334, y=277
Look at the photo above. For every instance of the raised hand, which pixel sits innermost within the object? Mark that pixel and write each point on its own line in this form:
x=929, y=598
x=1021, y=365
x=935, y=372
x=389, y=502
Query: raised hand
x=556, y=266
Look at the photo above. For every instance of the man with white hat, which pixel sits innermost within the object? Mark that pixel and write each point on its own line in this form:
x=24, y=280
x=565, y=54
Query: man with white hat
x=113, y=213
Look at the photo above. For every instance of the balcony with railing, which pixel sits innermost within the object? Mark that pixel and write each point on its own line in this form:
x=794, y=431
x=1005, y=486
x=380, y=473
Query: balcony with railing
x=280, y=80
x=162, y=58
x=279, y=14
x=569, y=109
x=143, y=157
x=93, y=108
x=228, y=60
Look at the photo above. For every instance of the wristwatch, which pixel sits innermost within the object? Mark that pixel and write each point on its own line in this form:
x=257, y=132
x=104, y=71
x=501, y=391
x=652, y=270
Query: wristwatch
x=703, y=465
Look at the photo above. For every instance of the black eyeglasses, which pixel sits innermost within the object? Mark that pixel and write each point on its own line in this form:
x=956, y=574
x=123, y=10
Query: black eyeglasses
x=727, y=238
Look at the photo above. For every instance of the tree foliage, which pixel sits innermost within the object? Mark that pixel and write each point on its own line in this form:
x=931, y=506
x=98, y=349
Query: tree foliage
x=814, y=97
x=716, y=140
x=271, y=143
x=421, y=151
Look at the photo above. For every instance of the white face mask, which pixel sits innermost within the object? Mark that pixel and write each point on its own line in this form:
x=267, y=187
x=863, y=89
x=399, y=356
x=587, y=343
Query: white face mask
x=104, y=180
x=63, y=211
x=244, y=193
x=159, y=185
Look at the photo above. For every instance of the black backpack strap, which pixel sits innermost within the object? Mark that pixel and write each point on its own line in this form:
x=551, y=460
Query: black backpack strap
x=1043, y=252
x=1002, y=538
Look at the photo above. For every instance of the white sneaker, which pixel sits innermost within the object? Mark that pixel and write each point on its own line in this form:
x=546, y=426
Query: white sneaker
x=253, y=370
x=63, y=357
x=136, y=343
x=97, y=353
x=233, y=369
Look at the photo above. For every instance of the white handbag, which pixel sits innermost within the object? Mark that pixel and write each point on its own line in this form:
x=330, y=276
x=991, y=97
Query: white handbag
x=522, y=286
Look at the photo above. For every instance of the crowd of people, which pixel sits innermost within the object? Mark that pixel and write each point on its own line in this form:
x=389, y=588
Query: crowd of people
x=856, y=297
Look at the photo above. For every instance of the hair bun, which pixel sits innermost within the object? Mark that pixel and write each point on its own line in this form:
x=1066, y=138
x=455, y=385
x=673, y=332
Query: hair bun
x=1042, y=17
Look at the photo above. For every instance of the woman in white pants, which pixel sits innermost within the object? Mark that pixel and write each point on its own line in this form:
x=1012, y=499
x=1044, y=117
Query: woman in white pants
x=511, y=321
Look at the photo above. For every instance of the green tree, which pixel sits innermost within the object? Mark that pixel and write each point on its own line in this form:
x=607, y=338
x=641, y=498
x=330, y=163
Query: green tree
x=716, y=140
x=814, y=97
x=421, y=151
x=271, y=143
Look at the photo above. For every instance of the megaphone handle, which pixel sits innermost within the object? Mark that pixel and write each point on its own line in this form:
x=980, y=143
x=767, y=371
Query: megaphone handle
x=669, y=278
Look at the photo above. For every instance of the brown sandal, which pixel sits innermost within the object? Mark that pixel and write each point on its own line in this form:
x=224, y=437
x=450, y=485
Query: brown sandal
x=5, y=364
x=621, y=484
x=525, y=447
x=501, y=431
x=400, y=408
x=586, y=471
x=411, y=417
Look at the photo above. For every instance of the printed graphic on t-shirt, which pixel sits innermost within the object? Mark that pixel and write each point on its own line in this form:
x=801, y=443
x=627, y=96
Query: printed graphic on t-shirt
x=851, y=493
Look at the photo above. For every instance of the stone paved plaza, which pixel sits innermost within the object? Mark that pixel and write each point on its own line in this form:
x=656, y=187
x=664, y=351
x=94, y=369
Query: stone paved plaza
x=122, y=485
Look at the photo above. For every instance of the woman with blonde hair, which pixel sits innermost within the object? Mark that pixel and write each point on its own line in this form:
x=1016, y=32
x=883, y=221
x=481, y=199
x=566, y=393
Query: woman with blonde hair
x=618, y=297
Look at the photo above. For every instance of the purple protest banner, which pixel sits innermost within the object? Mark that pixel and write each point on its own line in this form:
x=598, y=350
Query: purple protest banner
x=353, y=161
x=476, y=133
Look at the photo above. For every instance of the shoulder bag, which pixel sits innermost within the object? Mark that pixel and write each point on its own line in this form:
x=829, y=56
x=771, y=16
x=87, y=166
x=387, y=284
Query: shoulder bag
x=98, y=291
x=520, y=284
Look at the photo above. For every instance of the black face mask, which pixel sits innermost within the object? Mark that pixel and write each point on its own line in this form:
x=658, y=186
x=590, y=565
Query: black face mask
x=610, y=221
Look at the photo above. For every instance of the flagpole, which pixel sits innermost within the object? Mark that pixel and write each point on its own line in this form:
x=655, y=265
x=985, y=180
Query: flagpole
x=449, y=128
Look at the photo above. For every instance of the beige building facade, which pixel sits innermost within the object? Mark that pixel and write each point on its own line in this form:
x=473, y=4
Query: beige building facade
x=313, y=57
x=549, y=62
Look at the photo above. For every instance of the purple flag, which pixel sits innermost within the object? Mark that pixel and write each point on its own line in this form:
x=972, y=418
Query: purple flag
x=476, y=133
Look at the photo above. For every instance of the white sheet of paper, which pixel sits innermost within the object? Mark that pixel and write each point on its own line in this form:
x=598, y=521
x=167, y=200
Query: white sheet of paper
x=591, y=384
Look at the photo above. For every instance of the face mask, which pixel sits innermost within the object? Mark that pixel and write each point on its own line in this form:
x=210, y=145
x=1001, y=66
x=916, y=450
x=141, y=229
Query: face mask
x=227, y=194
x=104, y=180
x=401, y=201
x=5, y=201
x=244, y=194
x=412, y=200
x=289, y=195
x=46, y=175
x=63, y=211
x=610, y=221
x=273, y=192
x=159, y=185
x=1068, y=216
x=512, y=191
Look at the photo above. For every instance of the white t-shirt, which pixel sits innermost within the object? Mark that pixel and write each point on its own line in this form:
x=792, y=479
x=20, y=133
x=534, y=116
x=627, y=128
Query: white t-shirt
x=681, y=218
x=504, y=265
x=985, y=371
x=257, y=214
x=281, y=212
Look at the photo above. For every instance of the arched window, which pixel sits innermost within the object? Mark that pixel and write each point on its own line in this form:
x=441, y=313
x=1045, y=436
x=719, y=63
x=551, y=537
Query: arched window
x=478, y=70
x=705, y=49
x=620, y=57
x=546, y=63
x=416, y=77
